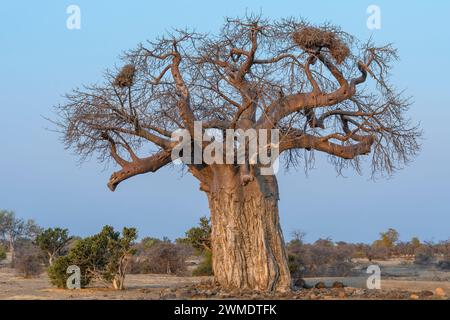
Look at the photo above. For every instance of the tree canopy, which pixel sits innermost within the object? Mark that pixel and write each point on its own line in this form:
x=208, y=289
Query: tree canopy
x=310, y=82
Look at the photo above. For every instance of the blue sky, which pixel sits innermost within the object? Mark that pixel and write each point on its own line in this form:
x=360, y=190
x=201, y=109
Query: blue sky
x=41, y=59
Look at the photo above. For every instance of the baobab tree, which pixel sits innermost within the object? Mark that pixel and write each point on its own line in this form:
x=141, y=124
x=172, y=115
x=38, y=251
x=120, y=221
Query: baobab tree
x=309, y=82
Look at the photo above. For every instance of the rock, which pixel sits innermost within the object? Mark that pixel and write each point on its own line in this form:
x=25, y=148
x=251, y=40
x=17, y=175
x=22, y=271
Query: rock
x=169, y=296
x=320, y=285
x=349, y=290
x=208, y=293
x=359, y=292
x=337, y=285
x=180, y=293
x=235, y=293
x=426, y=293
x=414, y=296
x=300, y=283
x=439, y=292
x=214, y=291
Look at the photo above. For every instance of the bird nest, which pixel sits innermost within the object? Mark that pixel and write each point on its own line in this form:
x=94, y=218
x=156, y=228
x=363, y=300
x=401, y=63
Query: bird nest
x=311, y=38
x=125, y=77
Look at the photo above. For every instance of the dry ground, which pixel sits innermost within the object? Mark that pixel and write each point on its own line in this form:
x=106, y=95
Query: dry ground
x=401, y=280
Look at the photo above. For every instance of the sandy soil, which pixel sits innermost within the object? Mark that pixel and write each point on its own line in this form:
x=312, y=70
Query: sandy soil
x=173, y=287
x=400, y=279
x=138, y=287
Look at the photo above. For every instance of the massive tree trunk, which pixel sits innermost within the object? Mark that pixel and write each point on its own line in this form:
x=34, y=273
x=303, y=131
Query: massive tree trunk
x=248, y=249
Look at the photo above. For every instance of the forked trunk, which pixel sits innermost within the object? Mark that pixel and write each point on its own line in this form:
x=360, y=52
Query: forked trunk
x=248, y=249
x=118, y=282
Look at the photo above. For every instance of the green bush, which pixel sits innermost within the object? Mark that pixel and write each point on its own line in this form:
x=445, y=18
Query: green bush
x=199, y=237
x=2, y=253
x=205, y=267
x=57, y=272
x=103, y=256
x=53, y=242
x=58, y=275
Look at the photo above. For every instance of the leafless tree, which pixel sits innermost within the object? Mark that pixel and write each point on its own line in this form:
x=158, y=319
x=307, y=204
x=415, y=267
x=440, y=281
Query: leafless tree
x=310, y=82
x=13, y=228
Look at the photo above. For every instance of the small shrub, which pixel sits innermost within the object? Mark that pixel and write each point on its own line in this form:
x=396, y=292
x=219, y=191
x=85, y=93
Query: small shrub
x=444, y=265
x=57, y=272
x=424, y=256
x=28, y=260
x=2, y=253
x=205, y=267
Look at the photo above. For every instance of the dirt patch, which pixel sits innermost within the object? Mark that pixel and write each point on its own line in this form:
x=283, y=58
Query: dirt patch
x=150, y=286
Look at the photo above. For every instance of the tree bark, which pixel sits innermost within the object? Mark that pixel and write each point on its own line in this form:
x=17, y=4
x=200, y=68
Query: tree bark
x=12, y=251
x=248, y=250
x=51, y=258
x=118, y=282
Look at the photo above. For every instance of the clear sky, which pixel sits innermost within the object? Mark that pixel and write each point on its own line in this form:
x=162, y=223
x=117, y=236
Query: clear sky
x=40, y=60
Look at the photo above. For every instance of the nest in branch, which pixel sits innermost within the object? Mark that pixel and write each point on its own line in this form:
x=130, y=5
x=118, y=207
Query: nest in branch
x=311, y=38
x=125, y=77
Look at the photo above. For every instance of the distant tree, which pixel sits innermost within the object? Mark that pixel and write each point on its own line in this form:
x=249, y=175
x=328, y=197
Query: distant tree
x=298, y=236
x=148, y=242
x=13, y=228
x=387, y=240
x=415, y=242
x=53, y=242
x=199, y=237
x=32, y=230
x=28, y=261
x=327, y=242
x=166, y=258
x=104, y=257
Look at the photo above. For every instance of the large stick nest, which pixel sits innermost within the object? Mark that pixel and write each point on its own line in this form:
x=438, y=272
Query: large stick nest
x=125, y=77
x=311, y=38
